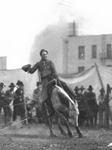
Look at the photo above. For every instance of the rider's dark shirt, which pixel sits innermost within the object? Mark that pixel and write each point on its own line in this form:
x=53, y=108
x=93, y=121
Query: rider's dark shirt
x=45, y=67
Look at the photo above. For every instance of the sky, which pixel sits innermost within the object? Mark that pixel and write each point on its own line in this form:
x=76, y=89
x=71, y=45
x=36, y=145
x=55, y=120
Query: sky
x=22, y=20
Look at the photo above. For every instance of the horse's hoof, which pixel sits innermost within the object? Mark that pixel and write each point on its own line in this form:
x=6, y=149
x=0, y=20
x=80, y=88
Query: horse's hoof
x=81, y=136
x=53, y=135
x=70, y=135
x=64, y=133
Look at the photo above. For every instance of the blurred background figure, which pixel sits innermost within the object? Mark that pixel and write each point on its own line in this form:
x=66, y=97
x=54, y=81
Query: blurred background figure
x=19, y=106
x=92, y=105
x=37, y=98
x=102, y=107
x=9, y=97
x=2, y=97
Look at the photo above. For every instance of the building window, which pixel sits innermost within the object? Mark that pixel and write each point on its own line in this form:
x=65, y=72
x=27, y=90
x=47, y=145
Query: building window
x=94, y=51
x=81, y=54
x=81, y=69
x=109, y=52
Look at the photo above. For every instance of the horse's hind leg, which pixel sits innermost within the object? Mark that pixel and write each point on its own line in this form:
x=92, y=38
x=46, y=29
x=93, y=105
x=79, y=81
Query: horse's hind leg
x=80, y=134
x=65, y=123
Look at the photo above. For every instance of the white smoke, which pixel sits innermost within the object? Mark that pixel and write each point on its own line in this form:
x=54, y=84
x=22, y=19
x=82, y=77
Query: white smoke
x=52, y=40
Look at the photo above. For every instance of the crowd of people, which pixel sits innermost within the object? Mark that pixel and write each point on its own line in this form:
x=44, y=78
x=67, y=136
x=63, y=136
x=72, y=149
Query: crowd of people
x=12, y=102
x=93, y=109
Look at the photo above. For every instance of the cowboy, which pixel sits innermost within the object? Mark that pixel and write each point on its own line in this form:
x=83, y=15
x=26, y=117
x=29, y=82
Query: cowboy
x=9, y=97
x=47, y=70
x=19, y=108
x=102, y=107
x=93, y=107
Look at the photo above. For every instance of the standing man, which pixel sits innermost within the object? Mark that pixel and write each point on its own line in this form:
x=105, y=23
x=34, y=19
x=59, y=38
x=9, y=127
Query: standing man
x=9, y=97
x=102, y=107
x=2, y=96
x=19, y=107
x=93, y=107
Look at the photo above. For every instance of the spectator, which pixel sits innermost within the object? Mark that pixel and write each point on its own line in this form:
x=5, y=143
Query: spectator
x=102, y=107
x=77, y=94
x=2, y=95
x=93, y=107
x=19, y=108
x=9, y=97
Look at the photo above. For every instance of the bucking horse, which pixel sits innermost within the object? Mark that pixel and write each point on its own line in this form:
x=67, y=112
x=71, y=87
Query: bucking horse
x=60, y=105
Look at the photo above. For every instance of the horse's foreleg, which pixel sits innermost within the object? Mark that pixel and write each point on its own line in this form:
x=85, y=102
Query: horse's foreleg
x=80, y=134
x=66, y=124
x=59, y=126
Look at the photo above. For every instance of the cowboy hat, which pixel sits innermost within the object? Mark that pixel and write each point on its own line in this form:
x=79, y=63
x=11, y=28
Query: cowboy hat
x=76, y=88
x=26, y=67
x=43, y=50
x=12, y=84
x=90, y=88
x=19, y=82
x=2, y=84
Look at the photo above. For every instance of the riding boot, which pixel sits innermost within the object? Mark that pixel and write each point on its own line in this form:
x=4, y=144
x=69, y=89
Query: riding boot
x=79, y=132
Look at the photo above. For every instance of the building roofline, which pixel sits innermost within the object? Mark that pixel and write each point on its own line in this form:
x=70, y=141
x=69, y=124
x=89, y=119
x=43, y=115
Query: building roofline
x=76, y=36
x=10, y=69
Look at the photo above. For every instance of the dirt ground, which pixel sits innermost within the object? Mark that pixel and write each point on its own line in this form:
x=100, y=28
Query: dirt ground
x=36, y=137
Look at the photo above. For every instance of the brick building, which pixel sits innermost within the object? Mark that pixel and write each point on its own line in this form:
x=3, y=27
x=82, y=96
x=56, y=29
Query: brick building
x=81, y=52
